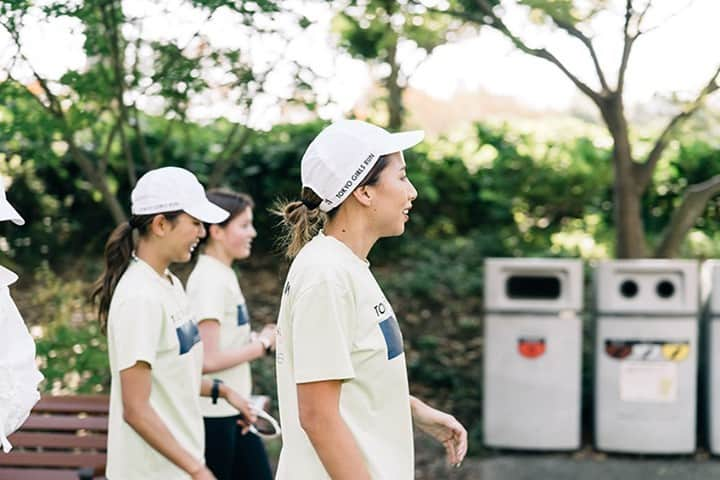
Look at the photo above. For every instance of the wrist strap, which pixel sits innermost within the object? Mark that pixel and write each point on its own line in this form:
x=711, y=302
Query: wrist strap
x=215, y=390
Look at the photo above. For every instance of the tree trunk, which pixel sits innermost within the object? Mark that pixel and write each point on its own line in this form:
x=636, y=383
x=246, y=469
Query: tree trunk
x=630, y=239
x=395, y=91
x=98, y=181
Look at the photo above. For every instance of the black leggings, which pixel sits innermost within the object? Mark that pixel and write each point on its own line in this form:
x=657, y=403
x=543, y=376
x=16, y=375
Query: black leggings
x=230, y=455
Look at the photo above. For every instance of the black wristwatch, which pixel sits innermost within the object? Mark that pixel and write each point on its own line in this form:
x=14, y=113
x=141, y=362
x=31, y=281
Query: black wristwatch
x=215, y=390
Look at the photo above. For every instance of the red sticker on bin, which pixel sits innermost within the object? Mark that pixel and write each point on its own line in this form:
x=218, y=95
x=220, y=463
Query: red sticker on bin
x=618, y=349
x=531, y=347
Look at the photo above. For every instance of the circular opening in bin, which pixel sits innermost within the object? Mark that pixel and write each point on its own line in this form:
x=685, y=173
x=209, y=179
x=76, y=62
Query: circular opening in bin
x=629, y=288
x=665, y=289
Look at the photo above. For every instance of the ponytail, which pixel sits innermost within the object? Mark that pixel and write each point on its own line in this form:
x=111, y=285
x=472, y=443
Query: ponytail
x=300, y=221
x=118, y=252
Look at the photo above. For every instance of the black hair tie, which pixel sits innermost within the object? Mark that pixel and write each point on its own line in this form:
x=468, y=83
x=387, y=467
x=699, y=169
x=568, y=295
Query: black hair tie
x=309, y=205
x=133, y=223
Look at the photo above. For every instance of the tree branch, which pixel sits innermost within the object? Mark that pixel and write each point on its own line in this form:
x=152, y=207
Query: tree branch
x=628, y=42
x=684, y=217
x=644, y=171
x=490, y=19
x=572, y=30
x=223, y=164
x=105, y=159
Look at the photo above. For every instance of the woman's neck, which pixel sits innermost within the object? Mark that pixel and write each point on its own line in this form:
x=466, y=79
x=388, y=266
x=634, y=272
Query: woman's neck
x=215, y=250
x=146, y=252
x=353, y=231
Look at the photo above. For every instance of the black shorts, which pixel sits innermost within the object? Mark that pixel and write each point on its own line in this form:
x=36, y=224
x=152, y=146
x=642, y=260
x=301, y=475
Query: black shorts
x=230, y=455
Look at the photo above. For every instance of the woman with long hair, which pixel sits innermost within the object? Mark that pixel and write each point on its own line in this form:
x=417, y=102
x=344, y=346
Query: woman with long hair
x=155, y=425
x=229, y=344
x=344, y=399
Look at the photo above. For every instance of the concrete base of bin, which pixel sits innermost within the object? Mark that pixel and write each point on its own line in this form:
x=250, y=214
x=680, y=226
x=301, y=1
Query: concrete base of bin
x=532, y=398
x=646, y=384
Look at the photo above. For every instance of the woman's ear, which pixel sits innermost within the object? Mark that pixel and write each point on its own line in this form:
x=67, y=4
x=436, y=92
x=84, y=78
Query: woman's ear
x=159, y=225
x=364, y=195
x=215, y=231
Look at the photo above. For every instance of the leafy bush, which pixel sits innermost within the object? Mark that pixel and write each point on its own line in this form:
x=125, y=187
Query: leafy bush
x=71, y=350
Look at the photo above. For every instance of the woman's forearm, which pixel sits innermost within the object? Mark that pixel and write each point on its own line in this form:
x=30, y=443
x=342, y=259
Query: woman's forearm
x=318, y=408
x=335, y=445
x=217, y=360
x=147, y=423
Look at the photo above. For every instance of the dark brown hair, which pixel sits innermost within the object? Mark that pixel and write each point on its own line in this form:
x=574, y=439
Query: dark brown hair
x=235, y=203
x=118, y=252
x=301, y=219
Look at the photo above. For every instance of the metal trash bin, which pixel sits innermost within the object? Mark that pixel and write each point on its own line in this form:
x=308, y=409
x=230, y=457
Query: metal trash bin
x=711, y=329
x=532, y=369
x=646, y=355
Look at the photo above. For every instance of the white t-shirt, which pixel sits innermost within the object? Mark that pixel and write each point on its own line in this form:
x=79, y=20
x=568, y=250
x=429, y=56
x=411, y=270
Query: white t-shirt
x=19, y=376
x=336, y=324
x=214, y=292
x=150, y=321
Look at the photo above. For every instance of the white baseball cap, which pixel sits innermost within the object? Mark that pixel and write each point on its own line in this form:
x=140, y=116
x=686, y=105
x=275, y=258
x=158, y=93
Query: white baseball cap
x=7, y=212
x=342, y=155
x=172, y=188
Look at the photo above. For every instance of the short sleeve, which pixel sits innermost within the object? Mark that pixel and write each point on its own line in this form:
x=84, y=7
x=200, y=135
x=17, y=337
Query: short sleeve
x=135, y=330
x=323, y=320
x=207, y=299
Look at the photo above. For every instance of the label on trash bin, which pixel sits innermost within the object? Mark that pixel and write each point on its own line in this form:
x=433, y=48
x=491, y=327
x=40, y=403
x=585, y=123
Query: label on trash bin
x=676, y=352
x=531, y=347
x=648, y=382
x=647, y=350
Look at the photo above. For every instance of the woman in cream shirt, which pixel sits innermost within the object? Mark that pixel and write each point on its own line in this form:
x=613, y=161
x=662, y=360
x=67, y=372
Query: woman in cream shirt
x=155, y=426
x=345, y=405
x=229, y=344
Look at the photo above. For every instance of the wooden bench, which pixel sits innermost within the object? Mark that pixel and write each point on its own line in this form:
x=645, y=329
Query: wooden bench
x=65, y=438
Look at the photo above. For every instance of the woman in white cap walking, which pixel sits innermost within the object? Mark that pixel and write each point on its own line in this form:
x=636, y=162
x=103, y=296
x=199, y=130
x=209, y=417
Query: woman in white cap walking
x=229, y=343
x=155, y=425
x=345, y=405
x=19, y=376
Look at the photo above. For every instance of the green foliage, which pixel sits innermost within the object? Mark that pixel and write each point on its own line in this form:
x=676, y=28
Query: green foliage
x=373, y=30
x=70, y=347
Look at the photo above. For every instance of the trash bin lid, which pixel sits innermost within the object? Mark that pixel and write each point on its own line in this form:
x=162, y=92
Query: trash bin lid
x=533, y=285
x=647, y=286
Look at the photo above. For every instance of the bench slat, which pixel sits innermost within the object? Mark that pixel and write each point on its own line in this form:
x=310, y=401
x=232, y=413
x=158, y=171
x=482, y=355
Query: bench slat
x=65, y=422
x=58, y=440
x=39, y=474
x=52, y=459
x=36, y=474
x=73, y=404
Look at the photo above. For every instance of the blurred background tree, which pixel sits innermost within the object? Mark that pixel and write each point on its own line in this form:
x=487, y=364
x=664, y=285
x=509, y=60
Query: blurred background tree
x=376, y=30
x=633, y=173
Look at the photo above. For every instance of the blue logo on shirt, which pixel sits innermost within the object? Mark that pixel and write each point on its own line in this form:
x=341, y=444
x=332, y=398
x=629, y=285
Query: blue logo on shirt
x=243, y=317
x=393, y=338
x=188, y=335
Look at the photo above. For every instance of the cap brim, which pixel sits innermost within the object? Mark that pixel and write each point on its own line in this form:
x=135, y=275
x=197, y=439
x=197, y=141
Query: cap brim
x=397, y=142
x=7, y=212
x=207, y=212
x=7, y=276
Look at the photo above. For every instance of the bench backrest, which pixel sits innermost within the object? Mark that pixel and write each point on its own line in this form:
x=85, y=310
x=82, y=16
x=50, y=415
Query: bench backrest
x=65, y=438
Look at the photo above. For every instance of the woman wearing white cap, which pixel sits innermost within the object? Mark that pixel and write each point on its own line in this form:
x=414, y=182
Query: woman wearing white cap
x=345, y=405
x=228, y=341
x=155, y=426
x=19, y=376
